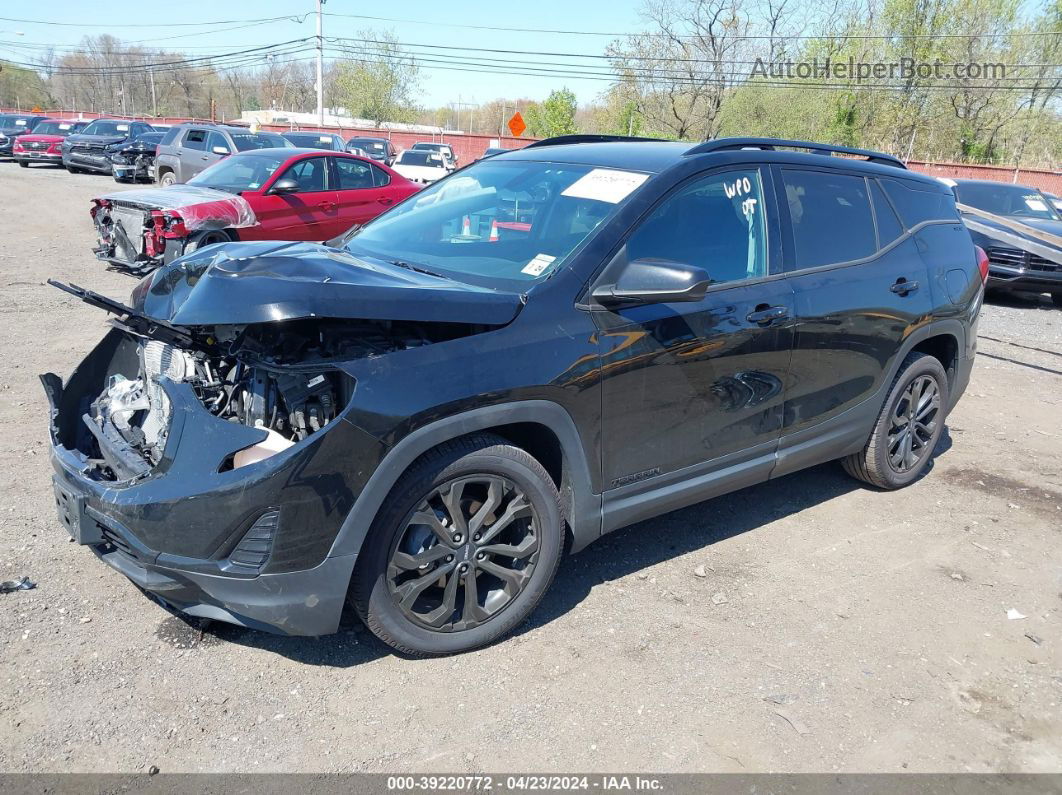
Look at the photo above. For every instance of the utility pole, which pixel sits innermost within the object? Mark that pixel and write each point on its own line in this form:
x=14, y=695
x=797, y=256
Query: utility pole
x=154, y=100
x=320, y=65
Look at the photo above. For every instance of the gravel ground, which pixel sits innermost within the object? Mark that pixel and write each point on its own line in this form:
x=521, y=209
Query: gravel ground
x=835, y=628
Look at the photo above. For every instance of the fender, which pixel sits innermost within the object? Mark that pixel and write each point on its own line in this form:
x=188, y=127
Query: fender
x=585, y=511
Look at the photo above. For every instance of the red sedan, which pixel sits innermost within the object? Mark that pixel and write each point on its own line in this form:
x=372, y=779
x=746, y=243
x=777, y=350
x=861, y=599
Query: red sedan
x=260, y=194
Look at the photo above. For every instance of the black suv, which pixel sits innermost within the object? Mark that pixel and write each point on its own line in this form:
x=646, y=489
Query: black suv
x=543, y=347
x=91, y=149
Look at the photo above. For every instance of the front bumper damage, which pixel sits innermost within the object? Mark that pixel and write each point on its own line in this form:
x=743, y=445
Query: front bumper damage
x=247, y=546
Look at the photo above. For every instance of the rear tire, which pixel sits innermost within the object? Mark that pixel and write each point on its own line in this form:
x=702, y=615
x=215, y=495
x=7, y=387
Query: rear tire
x=23, y=163
x=492, y=532
x=73, y=169
x=1057, y=298
x=908, y=427
x=167, y=179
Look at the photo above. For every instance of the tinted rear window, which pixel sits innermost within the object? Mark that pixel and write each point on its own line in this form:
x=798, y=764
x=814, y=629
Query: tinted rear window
x=421, y=157
x=917, y=205
x=831, y=217
x=368, y=146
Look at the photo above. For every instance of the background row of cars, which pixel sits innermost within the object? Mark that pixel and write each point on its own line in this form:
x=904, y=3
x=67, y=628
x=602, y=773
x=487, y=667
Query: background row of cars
x=133, y=150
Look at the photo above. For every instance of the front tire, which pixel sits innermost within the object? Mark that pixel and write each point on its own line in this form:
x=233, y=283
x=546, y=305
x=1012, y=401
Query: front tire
x=198, y=240
x=1057, y=298
x=167, y=179
x=908, y=427
x=462, y=551
x=23, y=163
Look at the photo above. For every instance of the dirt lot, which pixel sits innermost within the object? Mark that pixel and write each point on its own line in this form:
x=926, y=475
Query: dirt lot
x=837, y=628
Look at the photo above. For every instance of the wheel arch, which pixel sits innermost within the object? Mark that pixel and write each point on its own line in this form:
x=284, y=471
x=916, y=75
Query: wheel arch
x=543, y=428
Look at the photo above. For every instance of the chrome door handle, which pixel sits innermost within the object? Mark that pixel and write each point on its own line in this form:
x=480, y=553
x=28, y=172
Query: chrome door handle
x=903, y=287
x=765, y=315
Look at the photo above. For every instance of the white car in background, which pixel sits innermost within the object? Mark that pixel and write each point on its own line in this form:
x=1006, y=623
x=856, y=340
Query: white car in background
x=445, y=150
x=421, y=165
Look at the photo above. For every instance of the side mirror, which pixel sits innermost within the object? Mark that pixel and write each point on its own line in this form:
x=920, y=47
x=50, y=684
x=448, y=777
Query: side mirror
x=654, y=281
x=220, y=150
x=285, y=186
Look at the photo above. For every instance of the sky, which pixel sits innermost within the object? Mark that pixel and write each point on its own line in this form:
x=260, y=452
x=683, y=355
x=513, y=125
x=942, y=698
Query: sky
x=422, y=22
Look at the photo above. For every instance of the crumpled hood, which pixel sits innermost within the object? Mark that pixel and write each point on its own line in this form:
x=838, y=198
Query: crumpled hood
x=261, y=282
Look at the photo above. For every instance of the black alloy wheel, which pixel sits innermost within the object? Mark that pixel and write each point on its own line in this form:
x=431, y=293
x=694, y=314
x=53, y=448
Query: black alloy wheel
x=466, y=552
x=462, y=549
x=909, y=425
x=914, y=424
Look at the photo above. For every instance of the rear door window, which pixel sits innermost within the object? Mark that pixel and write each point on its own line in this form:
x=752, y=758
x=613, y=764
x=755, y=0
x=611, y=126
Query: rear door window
x=195, y=139
x=716, y=223
x=352, y=174
x=830, y=217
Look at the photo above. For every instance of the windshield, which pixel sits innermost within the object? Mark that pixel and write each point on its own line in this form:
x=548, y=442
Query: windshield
x=367, y=144
x=107, y=127
x=1003, y=199
x=509, y=223
x=420, y=158
x=54, y=128
x=433, y=147
x=236, y=174
x=246, y=141
x=310, y=140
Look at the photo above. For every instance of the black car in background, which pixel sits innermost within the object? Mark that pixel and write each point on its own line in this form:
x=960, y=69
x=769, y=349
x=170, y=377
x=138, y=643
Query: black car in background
x=379, y=149
x=133, y=161
x=13, y=125
x=1013, y=268
x=316, y=140
x=552, y=344
x=90, y=149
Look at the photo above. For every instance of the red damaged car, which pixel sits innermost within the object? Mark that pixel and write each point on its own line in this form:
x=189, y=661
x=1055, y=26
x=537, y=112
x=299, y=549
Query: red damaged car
x=261, y=194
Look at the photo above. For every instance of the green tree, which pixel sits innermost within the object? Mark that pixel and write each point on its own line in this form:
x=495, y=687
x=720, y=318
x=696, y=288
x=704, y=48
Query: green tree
x=378, y=80
x=554, y=116
x=22, y=87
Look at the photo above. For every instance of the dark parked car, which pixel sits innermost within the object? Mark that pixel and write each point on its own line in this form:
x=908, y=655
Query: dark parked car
x=187, y=149
x=316, y=140
x=13, y=126
x=44, y=144
x=379, y=149
x=90, y=149
x=539, y=349
x=134, y=160
x=490, y=151
x=1018, y=261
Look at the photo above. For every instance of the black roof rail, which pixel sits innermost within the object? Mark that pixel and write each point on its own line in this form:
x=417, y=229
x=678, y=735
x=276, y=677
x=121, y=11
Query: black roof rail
x=730, y=144
x=561, y=140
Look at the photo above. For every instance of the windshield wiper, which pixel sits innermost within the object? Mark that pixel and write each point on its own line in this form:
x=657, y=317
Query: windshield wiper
x=399, y=263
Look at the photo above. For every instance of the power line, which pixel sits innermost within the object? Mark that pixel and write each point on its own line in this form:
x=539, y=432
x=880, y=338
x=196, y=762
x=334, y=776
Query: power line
x=638, y=33
x=291, y=17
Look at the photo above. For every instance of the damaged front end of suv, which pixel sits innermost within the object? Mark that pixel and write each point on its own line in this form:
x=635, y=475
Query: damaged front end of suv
x=207, y=448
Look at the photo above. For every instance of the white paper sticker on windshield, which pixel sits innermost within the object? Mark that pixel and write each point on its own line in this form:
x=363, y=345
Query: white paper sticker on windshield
x=536, y=266
x=1036, y=204
x=122, y=127
x=20, y=122
x=605, y=185
x=65, y=126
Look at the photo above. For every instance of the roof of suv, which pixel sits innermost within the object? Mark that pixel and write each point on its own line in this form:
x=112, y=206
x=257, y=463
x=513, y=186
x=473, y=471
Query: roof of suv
x=654, y=156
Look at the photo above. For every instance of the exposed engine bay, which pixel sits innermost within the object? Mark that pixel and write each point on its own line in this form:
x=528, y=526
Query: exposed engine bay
x=281, y=378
